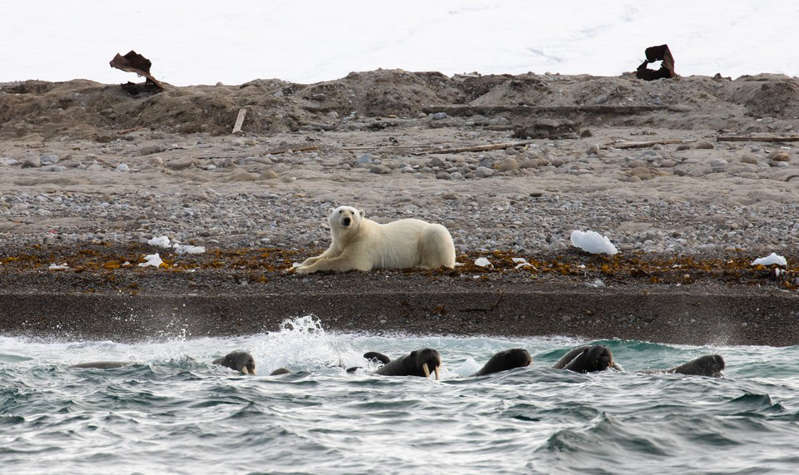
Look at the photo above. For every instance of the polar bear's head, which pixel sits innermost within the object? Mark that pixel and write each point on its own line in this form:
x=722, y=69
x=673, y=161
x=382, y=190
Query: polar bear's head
x=345, y=218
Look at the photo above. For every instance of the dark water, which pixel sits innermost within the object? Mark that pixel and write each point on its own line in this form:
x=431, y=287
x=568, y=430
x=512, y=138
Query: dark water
x=173, y=412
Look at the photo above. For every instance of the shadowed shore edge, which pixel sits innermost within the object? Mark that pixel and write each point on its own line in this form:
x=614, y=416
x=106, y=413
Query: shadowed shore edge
x=693, y=317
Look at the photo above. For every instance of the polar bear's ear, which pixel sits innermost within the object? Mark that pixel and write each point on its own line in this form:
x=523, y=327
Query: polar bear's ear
x=360, y=212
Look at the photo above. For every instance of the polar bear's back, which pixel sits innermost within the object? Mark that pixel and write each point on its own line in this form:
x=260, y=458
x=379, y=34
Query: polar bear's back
x=412, y=242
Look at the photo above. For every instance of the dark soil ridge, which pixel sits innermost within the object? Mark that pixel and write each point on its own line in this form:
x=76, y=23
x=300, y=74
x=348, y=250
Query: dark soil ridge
x=677, y=299
x=87, y=109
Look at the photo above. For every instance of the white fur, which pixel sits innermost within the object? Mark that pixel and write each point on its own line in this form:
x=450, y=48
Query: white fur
x=362, y=244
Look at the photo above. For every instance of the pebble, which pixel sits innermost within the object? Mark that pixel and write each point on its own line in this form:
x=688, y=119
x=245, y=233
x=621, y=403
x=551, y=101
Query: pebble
x=122, y=167
x=380, y=170
x=439, y=116
x=483, y=172
x=507, y=165
x=31, y=163
x=704, y=146
x=718, y=164
x=364, y=159
x=779, y=156
x=48, y=159
x=180, y=164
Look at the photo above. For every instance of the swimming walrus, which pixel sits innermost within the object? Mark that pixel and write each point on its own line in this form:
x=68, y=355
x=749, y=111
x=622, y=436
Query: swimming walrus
x=417, y=363
x=587, y=359
x=504, y=360
x=238, y=360
x=707, y=365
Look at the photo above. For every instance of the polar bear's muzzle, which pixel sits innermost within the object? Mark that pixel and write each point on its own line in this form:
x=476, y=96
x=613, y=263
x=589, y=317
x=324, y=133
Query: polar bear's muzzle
x=346, y=221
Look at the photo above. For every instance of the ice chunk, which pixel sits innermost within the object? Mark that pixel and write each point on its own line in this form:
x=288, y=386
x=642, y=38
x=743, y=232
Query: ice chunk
x=593, y=242
x=521, y=262
x=152, y=260
x=161, y=241
x=772, y=258
x=483, y=262
x=63, y=266
x=187, y=249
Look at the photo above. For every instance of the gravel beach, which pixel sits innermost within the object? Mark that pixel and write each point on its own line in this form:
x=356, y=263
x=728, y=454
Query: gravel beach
x=691, y=178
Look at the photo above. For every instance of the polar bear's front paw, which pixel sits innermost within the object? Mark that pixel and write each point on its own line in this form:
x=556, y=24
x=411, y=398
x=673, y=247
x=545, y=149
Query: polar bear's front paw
x=302, y=270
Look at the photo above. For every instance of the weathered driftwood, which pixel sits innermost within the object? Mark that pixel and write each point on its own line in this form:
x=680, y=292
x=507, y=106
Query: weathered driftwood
x=650, y=143
x=562, y=110
x=481, y=148
x=239, y=120
x=758, y=138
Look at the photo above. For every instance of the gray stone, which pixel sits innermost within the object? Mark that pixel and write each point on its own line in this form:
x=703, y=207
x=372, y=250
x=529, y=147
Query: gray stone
x=31, y=163
x=122, y=167
x=436, y=162
x=483, y=172
x=718, y=164
x=364, y=160
x=380, y=169
x=507, y=165
x=749, y=159
x=439, y=115
x=48, y=159
x=779, y=156
x=442, y=175
x=704, y=146
x=54, y=168
x=180, y=164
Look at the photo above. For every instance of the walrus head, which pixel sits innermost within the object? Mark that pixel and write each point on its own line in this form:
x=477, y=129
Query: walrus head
x=708, y=365
x=238, y=360
x=587, y=359
x=504, y=360
x=422, y=362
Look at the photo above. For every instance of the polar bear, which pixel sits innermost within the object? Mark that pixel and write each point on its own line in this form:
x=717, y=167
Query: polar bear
x=362, y=244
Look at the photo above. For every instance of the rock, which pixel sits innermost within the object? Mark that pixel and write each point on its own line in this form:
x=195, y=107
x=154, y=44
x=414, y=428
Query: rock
x=643, y=173
x=268, y=175
x=780, y=164
x=449, y=196
x=380, y=170
x=122, y=167
x=54, y=168
x=48, y=159
x=364, y=160
x=507, y=165
x=209, y=167
x=31, y=163
x=439, y=115
x=436, y=162
x=442, y=175
x=94, y=167
x=683, y=146
x=779, y=156
x=456, y=176
x=585, y=133
x=151, y=149
x=704, y=146
x=180, y=164
x=156, y=162
x=532, y=163
x=8, y=161
x=486, y=161
x=749, y=159
x=718, y=165
x=483, y=172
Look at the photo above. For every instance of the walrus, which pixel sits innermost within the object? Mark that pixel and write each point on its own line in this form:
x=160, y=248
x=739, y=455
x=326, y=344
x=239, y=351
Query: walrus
x=238, y=360
x=504, y=360
x=707, y=365
x=417, y=363
x=587, y=359
x=102, y=364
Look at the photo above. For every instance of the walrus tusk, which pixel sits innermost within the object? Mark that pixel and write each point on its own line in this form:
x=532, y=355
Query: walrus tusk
x=436, y=368
x=427, y=370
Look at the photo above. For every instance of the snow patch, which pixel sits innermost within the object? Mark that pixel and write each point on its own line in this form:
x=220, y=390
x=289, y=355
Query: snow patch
x=483, y=262
x=54, y=266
